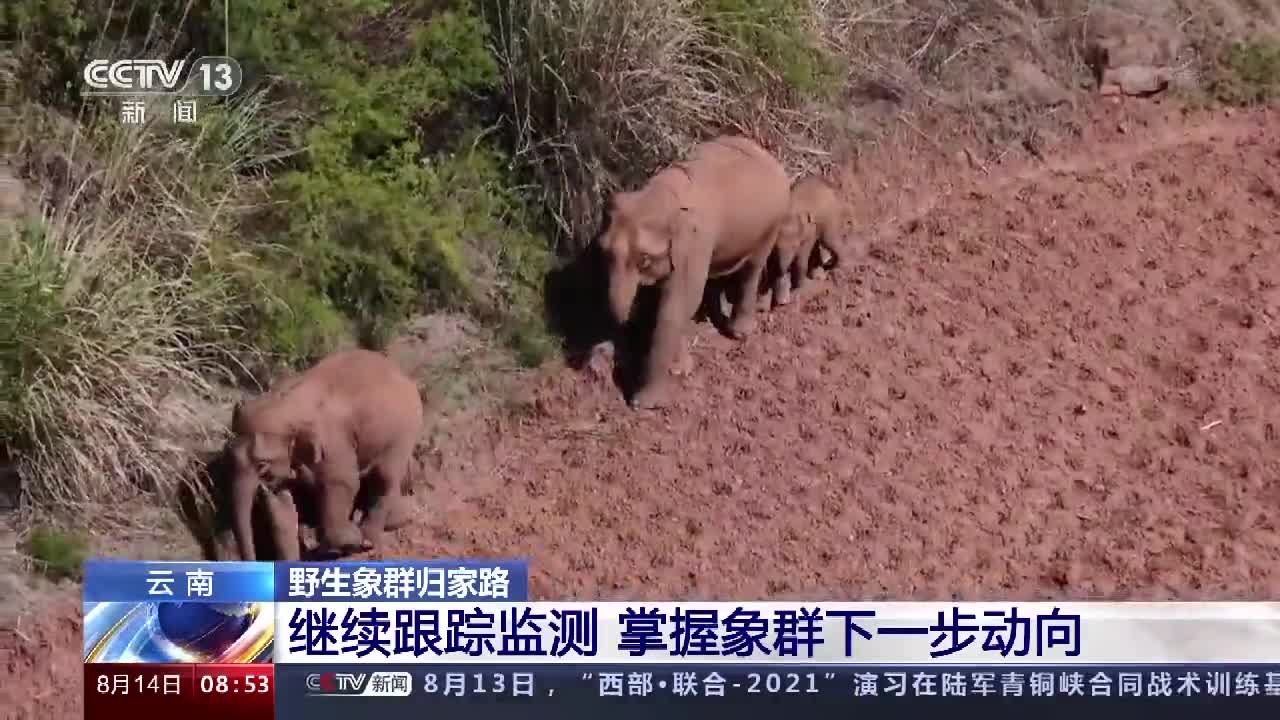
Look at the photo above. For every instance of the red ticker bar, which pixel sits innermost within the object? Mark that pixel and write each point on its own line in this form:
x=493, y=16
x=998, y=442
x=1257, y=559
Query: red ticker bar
x=129, y=691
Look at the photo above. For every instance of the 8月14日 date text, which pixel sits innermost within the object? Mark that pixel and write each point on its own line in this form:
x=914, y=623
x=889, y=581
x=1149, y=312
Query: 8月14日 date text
x=190, y=691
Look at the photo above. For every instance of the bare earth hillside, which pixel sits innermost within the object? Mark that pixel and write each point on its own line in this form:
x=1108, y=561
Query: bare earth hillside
x=1062, y=384
x=1056, y=381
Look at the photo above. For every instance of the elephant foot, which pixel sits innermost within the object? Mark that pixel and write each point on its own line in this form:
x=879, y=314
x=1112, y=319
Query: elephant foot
x=400, y=513
x=371, y=539
x=782, y=296
x=743, y=326
x=684, y=363
x=651, y=397
x=345, y=539
x=818, y=273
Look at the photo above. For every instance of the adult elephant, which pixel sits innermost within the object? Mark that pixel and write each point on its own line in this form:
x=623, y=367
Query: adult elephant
x=353, y=415
x=713, y=214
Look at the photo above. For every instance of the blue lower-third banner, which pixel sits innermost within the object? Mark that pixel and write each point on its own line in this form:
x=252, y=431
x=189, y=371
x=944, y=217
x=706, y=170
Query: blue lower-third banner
x=484, y=692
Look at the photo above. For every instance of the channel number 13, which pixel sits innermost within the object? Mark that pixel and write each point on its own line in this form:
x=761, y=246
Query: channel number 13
x=217, y=77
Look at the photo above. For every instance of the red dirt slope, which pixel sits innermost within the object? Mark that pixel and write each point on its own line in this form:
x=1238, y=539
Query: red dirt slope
x=1064, y=384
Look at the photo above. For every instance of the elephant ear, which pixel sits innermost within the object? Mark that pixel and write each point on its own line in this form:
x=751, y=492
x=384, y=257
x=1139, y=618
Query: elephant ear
x=617, y=206
x=307, y=447
x=621, y=202
x=680, y=223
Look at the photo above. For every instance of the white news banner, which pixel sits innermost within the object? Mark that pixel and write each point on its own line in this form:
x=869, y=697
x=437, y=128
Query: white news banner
x=1108, y=633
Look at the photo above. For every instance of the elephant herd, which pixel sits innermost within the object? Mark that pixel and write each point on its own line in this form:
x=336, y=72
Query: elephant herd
x=725, y=211
x=339, y=438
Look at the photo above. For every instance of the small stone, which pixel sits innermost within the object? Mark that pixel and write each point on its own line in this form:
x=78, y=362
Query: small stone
x=600, y=364
x=1138, y=79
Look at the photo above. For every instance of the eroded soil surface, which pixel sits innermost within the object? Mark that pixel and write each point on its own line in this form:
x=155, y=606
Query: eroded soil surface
x=1065, y=383
x=1050, y=382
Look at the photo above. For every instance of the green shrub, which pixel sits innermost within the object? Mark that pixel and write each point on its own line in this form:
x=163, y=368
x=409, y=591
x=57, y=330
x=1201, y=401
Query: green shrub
x=57, y=554
x=1249, y=73
x=52, y=35
x=773, y=43
x=384, y=214
x=31, y=320
x=293, y=321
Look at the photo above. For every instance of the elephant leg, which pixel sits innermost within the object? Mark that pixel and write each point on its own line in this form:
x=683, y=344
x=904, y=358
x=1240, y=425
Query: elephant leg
x=804, y=261
x=336, y=488
x=684, y=361
x=799, y=269
x=401, y=512
x=389, y=477
x=783, y=280
x=744, y=312
x=224, y=546
x=245, y=487
x=675, y=313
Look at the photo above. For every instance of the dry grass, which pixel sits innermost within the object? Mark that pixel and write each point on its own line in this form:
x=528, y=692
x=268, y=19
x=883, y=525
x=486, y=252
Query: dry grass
x=602, y=93
x=598, y=87
x=111, y=311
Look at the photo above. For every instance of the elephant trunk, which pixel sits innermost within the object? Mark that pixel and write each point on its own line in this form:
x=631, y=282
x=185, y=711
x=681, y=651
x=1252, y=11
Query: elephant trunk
x=243, y=490
x=284, y=526
x=623, y=287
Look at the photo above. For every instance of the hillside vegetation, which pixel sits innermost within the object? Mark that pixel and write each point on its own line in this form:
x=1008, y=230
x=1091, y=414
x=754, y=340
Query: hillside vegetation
x=387, y=160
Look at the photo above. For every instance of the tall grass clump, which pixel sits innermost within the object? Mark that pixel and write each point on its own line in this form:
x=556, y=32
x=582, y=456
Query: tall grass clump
x=113, y=318
x=600, y=93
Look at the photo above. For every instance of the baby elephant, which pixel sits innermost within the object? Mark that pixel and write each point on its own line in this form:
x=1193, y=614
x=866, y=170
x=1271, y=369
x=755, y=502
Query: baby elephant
x=817, y=220
x=353, y=416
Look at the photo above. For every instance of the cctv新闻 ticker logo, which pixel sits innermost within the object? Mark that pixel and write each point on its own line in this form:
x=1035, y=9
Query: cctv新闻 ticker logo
x=384, y=683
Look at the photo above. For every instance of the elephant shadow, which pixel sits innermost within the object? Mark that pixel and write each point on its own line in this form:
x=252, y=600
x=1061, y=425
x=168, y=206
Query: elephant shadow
x=576, y=295
x=719, y=291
